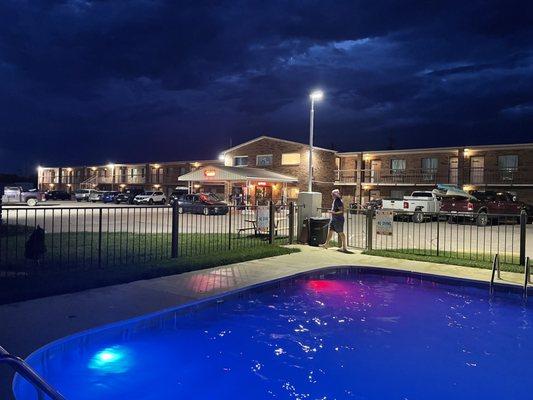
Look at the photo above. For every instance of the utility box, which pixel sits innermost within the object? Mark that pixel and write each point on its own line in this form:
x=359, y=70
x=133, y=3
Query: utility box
x=309, y=206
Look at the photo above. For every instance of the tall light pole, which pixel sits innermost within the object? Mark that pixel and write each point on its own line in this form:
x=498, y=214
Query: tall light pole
x=317, y=95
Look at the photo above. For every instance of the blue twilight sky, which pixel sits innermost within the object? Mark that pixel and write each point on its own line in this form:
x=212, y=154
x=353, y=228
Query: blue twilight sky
x=99, y=81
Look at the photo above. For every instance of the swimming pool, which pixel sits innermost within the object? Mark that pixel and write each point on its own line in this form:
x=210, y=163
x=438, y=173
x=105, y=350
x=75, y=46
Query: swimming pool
x=338, y=333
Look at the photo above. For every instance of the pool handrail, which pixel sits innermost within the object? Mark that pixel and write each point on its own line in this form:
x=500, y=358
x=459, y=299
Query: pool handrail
x=22, y=368
x=495, y=270
x=527, y=275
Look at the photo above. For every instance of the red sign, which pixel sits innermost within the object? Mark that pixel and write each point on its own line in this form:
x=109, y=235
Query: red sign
x=210, y=172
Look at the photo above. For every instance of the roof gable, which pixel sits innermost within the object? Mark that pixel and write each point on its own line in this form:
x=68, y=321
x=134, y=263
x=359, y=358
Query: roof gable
x=264, y=137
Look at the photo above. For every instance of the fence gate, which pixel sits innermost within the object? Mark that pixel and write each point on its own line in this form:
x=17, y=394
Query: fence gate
x=356, y=228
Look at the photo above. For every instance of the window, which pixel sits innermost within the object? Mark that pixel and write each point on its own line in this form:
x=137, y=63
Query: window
x=264, y=160
x=290, y=159
x=429, y=168
x=240, y=161
x=397, y=165
x=397, y=194
x=507, y=166
x=508, y=162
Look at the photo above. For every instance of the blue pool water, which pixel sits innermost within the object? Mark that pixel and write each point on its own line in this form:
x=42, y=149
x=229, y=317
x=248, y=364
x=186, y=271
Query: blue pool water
x=336, y=334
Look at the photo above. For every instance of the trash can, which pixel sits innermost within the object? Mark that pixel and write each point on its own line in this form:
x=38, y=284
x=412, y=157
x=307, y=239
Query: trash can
x=318, y=231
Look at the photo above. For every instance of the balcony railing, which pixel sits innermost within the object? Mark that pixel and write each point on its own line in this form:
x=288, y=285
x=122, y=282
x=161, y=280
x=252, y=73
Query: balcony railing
x=404, y=176
x=471, y=176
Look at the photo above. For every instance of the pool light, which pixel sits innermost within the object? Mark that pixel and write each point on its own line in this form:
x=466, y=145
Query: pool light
x=114, y=359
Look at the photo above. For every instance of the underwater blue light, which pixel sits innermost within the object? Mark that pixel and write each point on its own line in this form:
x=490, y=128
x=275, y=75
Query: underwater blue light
x=114, y=359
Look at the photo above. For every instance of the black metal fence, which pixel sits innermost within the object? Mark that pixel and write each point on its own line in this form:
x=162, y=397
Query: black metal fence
x=449, y=235
x=99, y=237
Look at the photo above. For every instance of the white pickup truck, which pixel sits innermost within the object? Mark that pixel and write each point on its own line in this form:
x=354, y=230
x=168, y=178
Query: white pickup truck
x=415, y=205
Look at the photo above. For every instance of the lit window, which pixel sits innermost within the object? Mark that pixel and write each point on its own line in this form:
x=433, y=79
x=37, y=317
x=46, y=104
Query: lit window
x=508, y=163
x=264, y=160
x=290, y=159
x=240, y=161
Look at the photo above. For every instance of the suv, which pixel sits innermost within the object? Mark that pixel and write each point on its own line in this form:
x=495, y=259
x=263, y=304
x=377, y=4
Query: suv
x=481, y=204
x=202, y=203
x=57, y=195
x=83, y=194
x=156, y=197
x=176, y=195
x=127, y=196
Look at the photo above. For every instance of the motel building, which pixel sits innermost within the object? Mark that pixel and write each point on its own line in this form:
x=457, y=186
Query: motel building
x=272, y=169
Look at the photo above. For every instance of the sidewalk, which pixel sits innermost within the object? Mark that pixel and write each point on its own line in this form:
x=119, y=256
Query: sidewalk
x=29, y=325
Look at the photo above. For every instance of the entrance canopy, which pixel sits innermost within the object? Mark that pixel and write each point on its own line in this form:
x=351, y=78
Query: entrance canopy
x=237, y=174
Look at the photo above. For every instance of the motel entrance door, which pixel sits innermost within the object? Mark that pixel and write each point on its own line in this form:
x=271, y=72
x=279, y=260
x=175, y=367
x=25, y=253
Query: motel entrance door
x=263, y=194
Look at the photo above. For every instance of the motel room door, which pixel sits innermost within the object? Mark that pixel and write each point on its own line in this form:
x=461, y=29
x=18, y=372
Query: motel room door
x=375, y=170
x=454, y=170
x=477, y=169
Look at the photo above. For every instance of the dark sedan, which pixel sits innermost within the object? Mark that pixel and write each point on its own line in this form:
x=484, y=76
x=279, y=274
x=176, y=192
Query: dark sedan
x=202, y=203
x=57, y=195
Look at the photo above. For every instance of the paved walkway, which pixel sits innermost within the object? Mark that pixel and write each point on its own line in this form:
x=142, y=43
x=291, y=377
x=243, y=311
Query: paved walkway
x=29, y=325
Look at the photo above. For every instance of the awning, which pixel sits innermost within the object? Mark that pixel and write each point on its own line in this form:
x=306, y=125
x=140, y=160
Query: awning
x=222, y=173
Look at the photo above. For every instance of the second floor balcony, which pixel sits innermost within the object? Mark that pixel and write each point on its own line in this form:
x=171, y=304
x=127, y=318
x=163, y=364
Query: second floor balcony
x=467, y=176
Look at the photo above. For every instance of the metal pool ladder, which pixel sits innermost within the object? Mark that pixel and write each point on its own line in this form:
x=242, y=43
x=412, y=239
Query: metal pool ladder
x=527, y=276
x=495, y=271
x=22, y=368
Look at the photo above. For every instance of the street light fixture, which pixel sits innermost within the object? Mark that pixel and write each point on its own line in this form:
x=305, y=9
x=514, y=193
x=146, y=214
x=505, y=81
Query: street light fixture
x=316, y=95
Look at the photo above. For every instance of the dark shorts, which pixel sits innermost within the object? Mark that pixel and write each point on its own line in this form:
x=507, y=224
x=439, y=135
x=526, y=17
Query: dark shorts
x=336, y=225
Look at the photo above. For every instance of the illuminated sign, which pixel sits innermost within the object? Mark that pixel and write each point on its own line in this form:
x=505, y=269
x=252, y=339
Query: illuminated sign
x=210, y=172
x=261, y=183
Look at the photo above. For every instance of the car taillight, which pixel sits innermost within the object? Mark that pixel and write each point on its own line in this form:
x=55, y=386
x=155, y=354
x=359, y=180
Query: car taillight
x=470, y=206
x=405, y=204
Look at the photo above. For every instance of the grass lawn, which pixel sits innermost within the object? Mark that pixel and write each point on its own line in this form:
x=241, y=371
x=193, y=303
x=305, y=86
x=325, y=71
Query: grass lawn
x=59, y=281
x=85, y=249
x=454, y=258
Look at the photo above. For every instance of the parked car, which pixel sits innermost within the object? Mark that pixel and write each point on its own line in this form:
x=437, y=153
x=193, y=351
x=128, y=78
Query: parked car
x=202, y=203
x=176, y=194
x=156, y=197
x=109, y=197
x=481, y=205
x=127, y=196
x=415, y=206
x=57, y=195
x=83, y=194
x=95, y=196
x=18, y=195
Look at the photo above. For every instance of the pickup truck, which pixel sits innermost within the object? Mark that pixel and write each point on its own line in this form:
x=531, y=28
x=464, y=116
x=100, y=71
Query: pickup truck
x=415, y=205
x=17, y=195
x=481, y=205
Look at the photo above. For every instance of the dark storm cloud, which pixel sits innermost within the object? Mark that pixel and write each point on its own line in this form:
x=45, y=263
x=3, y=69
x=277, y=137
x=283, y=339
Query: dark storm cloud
x=93, y=81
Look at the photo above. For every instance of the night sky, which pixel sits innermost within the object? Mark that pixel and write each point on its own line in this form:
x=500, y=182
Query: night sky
x=85, y=82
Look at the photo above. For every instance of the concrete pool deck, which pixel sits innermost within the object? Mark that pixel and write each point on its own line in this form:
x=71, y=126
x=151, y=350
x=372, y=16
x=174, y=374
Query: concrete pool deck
x=28, y=325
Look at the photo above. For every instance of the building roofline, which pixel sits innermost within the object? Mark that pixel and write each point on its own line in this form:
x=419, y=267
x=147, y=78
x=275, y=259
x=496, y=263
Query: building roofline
x=204, y=162
x=274, y=138
x=437, y=149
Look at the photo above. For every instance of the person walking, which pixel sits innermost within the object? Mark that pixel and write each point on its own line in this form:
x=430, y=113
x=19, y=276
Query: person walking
x=336, y=224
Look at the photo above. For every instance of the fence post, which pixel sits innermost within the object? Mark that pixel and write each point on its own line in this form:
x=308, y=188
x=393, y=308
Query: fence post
x=100, y=237
x=523, y=223
x=438, y=232
x=174, y=248
x=229, y=228
x=369, y=228
x=291, y=222
x=272, y=222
